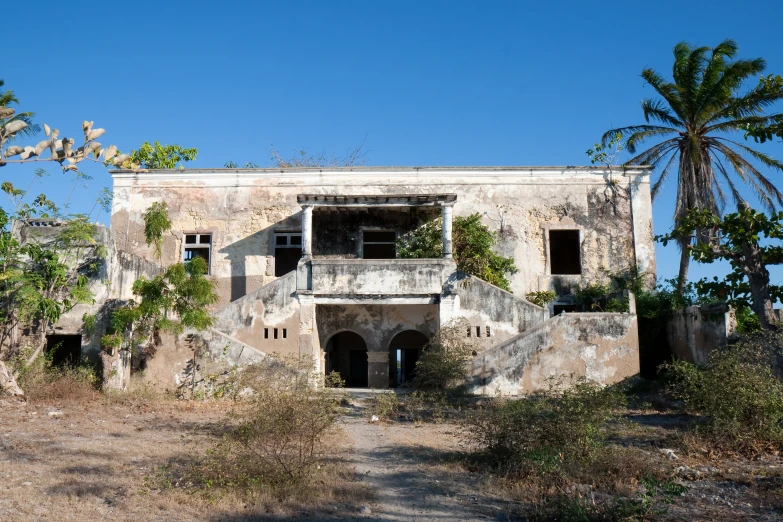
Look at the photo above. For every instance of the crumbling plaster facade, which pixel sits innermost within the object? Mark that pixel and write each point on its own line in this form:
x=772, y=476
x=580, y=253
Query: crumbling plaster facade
x=334, y=290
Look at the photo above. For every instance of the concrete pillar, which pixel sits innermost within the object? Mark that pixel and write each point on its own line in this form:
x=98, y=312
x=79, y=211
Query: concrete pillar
x=307, y=231
x=308, y=333
x=447, y=212
x=378, y=369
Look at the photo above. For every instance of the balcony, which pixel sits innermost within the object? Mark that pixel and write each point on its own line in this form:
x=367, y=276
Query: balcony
x=362, y=278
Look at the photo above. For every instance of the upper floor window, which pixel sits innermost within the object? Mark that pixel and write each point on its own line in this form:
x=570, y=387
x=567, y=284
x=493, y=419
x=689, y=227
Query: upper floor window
x=564, y=252
x=379, y=244
x=198, y=245
x=288, y=251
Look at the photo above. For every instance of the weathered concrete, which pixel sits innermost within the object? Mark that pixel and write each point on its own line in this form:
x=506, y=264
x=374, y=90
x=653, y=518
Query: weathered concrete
x=693, y=332
x=243, y=209
x=484, y=306
x=379, y=276
x=601, y=347
x=252, y=320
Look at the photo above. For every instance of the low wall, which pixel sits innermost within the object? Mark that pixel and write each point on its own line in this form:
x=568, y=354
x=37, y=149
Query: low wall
x=379, y=276
x=483, y=304
x=253, y=319
x=696, y=330
x=601, y=347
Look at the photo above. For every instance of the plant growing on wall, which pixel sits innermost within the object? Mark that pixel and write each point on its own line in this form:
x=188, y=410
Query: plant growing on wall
x=541, y=298
x=156, y=223
x=472, y=243
x=750, y=241
x=182, y=290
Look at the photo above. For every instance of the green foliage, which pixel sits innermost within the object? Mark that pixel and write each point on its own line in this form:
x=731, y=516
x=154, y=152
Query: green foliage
x=443, y=364
x=747, y=321
x=541, y=298
x=607, y=153
x=384, y=405
x=773, y=127
x=750, y=241
x=592, y=296
x=280, y=440
x=157, y=156
x=234, y=165
x=156, y=223
x=472, y=244
x=736, y=394
x=168, y=302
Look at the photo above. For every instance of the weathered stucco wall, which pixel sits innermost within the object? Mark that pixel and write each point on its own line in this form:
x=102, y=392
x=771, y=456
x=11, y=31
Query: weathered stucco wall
x=597, y=346
x=254, y=318
x=243, y=209
x=695, y=331
x=483, y=305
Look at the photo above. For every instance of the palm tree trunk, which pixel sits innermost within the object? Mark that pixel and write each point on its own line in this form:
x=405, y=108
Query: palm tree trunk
x=685, y=260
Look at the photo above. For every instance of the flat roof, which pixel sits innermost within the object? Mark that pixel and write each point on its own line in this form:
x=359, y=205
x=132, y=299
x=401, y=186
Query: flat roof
x=365, y=168
x=376, y=200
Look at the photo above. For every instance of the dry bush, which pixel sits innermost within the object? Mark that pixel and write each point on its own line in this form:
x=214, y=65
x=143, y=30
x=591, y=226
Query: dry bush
x=736, y=395
x=280, y=441
x=43, y=382
x=443, y=365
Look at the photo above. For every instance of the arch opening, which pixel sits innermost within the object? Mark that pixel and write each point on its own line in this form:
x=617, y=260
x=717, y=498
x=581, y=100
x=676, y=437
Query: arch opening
x=404, y=352
x=346, y=354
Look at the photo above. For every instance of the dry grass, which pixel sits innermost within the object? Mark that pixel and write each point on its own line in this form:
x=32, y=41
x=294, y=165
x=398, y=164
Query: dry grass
x=97, y=459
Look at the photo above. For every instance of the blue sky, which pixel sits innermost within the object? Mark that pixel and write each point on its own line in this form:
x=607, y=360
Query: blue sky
x=421, y=82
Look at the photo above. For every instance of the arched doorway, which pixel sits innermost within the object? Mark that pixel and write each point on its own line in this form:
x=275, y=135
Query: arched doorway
x=404, y=352
x=346, y=354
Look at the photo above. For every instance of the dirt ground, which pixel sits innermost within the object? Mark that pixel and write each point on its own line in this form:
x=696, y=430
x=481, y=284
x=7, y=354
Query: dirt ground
x=70, y=461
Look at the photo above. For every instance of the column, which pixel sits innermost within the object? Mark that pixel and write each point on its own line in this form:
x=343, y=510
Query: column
x=307, y=231
x=447, y=212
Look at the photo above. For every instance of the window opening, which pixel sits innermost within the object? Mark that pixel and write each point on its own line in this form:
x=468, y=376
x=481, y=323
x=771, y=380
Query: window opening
x=487, y=331
x=198, y=245
x=285, y=333
x=275, y=333
x=478, y=331
x=558, y=309
x=266, y=333
x=469, y=330
x=564, y=252
x=379, y=244
x=288, y=251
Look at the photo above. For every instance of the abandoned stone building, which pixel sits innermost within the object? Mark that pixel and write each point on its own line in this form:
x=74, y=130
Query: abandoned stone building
x=305, y=262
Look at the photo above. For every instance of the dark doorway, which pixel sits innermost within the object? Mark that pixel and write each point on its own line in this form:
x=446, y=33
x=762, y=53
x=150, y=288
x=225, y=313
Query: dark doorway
x=65, y=350
x=346, y=354
x=404, y=352
x=564, y=252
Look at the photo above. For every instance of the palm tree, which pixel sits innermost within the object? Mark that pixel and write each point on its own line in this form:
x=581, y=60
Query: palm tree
x=699, y=110
x=6, y=99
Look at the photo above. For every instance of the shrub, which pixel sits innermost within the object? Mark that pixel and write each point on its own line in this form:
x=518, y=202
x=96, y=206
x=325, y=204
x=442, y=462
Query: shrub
x=43, y=381
x=384, y=405
x=279, y=441
x=443, y=364
x=736, y=393
x=544, y=433
x=541, y=298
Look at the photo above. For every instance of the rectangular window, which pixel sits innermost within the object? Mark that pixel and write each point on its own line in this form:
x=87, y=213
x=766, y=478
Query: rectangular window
x=478, y=331
x=275, y=331
x=564, y=252
x=379, y=244
x=198, y=245
x=288, y=251
x=487, y=331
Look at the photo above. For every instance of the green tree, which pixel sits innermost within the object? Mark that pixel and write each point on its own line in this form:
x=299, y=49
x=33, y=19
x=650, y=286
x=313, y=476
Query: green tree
x=472, y=243
x=750, y=241
x=699, y=109
x=169, y=302
x=157, y=156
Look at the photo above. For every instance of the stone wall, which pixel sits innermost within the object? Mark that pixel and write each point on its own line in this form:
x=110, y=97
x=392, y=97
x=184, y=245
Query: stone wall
x=602, y=347
x=696, y=330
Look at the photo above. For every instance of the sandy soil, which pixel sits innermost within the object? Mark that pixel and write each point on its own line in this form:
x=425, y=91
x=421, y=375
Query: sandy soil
x=92, y=462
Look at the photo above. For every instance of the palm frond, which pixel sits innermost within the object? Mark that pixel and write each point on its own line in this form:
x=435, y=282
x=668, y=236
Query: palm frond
x=654, y=154
x=657, y=111
x=764, y=189
x=668, y=91
x=636, y=134
x=663, y=176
